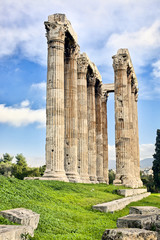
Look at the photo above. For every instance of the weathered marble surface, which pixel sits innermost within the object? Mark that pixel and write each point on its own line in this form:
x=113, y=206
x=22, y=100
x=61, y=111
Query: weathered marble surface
x=131, y=192
x=128, y=234
x=22, y=216
x=13, y=232
x=144, y=210
x=126, y=121
x=137, y=221
x=119, y=204
x=27, y=218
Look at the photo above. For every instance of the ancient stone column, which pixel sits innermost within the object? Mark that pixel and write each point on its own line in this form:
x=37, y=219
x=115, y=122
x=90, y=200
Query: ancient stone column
x=122, y=138
x=136, y=136
x=71, y=120
x=105, y=136
x=82, y=119
x=99, y=133
x=55, y=103
x=91, y=80
x=130, y=116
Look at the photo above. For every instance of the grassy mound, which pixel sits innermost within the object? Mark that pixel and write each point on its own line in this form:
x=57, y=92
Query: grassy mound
x=65, y=208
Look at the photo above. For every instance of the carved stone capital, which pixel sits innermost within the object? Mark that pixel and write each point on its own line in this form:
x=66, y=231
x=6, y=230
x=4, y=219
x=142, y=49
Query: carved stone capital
x=82, y=65
x=91, y=80
x=54, y=31
x=72, y=51
x=98, y=90
x=120, y=62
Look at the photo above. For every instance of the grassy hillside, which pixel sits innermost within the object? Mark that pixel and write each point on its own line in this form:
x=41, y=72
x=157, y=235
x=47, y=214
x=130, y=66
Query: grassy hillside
x=65, y=208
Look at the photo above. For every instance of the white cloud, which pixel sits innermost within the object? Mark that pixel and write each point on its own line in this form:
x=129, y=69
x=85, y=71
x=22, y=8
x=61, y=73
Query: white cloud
x=23, y=116
x=39, y=86
x=156, y=69
x=142, y=44
x=102, y=27
x=146, y=151
x=111, y=152
x=39, y=90
x=100, y=20
x=35, y=161
x=25, y=103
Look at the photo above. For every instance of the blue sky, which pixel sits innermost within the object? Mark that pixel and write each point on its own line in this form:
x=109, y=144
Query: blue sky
x=102, y=26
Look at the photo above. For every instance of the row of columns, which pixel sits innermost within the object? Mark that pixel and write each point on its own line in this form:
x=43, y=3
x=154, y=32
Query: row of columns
x=75, y=133
x=126, y=121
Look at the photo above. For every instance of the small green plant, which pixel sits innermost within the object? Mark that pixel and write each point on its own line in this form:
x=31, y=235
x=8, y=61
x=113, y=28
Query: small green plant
x=25, y=236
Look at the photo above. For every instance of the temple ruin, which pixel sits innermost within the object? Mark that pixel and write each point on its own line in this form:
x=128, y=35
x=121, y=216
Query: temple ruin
x=76, y=112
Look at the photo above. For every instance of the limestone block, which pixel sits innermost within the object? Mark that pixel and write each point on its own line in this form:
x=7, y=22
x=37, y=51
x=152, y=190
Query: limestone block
x=145, y=210
x=129, y=234
x=137, y=221
x=22, y=216
x=157, y=228
x=119, y=204
x=13, y=232
x=131, y=192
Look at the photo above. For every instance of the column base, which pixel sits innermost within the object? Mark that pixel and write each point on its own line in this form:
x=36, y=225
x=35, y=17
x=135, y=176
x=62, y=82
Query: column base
x=117, y=182
x=85, y=179
x=139, y=183
x=73, y=177
x=101, y=180
x=93, y=179
x=128, y=181
x=56, y=176
x=107, y=182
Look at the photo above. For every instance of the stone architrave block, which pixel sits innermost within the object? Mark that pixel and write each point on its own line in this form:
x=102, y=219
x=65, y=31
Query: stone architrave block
x=131, y=192
x=22, y=216
x=137, y=221
x=129, y=234
x=119, y=204
x=143, y=210
x=13, y=232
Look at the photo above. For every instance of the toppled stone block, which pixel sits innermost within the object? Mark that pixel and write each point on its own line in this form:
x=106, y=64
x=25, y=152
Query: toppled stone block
x=119, y=204
x=13, y=232
x=137, y=221
x=129, y=234
x=145, y=210
x=22, y=216
x=131, y=192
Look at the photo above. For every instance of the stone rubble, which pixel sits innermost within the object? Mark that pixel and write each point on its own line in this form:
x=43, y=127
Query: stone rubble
x=27, y=218
x=143, y=222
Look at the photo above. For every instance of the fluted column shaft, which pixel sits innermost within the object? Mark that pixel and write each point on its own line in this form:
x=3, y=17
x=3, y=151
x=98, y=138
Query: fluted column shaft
x=71, y=120
x=131, y=130
x=82, y=121
x=55, y=109
x=136, y=137
x=99, y=134
x=91, y=129
x=122, y=132
x=105, y=137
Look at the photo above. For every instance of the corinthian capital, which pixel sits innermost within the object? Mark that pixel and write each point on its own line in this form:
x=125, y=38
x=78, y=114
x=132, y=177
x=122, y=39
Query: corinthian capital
x=82, y=64
x=54, y=31
x=120, y=62
x=72, y=50
x=98, y=90
x=91, y=80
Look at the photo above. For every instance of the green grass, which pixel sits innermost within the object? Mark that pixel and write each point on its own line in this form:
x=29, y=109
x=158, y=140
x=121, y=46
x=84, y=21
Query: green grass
x=65, y=208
